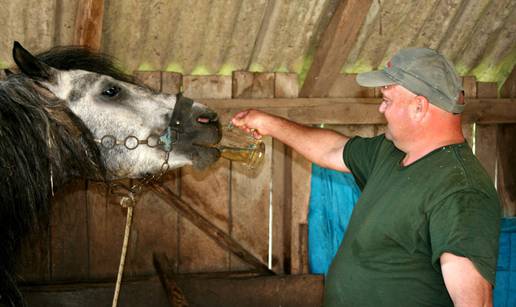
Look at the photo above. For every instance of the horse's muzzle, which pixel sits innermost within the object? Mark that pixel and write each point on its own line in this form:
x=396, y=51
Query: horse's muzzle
x=194, y=127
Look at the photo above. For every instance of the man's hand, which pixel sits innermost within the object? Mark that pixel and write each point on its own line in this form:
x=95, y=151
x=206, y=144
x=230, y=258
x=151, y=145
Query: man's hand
x=251, y=121
x=464, y=283
x=320, y=146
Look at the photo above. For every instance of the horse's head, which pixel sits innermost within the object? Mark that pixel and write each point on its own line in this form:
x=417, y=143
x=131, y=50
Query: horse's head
x=123, y=116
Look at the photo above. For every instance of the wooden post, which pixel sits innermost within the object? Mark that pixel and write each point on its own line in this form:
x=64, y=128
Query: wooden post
x=303, y=248
x=88, y=24
x=506, y=144
x=485, y=138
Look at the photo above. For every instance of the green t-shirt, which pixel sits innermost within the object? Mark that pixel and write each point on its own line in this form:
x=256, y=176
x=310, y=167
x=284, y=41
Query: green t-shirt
x=405, y=219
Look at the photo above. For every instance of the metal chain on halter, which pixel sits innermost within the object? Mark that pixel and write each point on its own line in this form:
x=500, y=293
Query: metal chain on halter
x=126, y=193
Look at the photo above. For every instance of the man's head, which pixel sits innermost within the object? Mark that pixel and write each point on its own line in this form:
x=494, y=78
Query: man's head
x=421, y=96
x=424, y=72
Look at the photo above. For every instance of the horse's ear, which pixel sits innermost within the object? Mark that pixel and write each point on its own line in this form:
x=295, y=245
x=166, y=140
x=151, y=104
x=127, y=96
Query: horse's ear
x=30, y=65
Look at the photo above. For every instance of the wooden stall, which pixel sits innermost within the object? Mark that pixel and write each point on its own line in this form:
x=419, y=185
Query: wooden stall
x=229, y=235
x=230, y=218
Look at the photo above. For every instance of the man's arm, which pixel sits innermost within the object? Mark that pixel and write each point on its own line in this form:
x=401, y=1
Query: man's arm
x=321, y=146
x=464, y=283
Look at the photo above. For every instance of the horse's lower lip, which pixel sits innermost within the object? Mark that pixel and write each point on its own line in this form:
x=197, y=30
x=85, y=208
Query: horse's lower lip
x=213, y=145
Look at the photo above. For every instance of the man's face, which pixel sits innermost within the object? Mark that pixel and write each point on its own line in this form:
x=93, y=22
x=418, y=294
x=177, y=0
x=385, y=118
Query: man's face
x=395, y=107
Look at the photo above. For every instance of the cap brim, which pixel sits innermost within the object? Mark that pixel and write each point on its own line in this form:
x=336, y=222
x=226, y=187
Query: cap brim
x=375, y=78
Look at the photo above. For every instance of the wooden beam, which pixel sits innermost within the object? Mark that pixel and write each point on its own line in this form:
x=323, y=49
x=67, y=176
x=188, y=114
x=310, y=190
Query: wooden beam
x=220, y=237
x=228, y=289
x=342, y=111
x=165, y=270
x=88, y=24
x=335, y=46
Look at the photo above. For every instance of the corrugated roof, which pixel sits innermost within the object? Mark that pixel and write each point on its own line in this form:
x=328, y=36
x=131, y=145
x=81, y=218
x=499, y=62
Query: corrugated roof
x=220, y=36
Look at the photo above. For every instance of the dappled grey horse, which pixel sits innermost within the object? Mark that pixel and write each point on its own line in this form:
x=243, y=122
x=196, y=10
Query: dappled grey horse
x=71, y=113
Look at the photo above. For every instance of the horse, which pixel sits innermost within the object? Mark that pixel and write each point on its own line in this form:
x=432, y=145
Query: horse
x=70, y=112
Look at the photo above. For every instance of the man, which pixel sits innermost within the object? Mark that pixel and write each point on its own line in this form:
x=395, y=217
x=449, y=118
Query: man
x=425, y=229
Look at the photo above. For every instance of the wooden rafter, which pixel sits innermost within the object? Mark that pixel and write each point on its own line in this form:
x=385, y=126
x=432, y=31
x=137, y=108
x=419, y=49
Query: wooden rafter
x=335, y=46
x=88, y=24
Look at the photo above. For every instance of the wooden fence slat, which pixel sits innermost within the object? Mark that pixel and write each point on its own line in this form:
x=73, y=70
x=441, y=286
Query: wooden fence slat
x=171, y=82
x=347, y=86
x=469, y=83
x=106, y=225
x=154, y=230
x=301, y=174
x=485, y=137
x=150, y=78
x=507, y=168
x=248, y=84
x=207, y=192
x=280, y=179
x=33, y=264
x=69, y=233
x=215, y=87
x=250, y=189
x=507, y=151
x=303, y=248
x=286, y=85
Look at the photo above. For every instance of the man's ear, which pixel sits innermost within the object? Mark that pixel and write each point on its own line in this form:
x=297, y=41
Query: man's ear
x=31, y=66
x=420, y=107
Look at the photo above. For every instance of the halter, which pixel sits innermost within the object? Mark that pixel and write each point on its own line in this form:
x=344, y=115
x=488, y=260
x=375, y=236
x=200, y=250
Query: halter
x=167, y=138
x=170, y=137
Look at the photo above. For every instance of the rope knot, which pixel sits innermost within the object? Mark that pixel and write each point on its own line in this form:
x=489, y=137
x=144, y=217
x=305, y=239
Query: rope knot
x=127, y=201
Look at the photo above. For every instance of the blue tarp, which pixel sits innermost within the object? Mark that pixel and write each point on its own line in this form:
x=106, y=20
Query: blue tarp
x=332, y=199
x=505, y=289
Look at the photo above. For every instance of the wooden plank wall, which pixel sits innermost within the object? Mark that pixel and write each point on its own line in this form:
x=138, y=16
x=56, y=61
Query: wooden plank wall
x=84, y=235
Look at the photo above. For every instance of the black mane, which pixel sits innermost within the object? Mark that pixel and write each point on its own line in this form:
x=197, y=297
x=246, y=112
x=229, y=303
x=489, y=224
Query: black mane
x=43, y=145
x=72, y=58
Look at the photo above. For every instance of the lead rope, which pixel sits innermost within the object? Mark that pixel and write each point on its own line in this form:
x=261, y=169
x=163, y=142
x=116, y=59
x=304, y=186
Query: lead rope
x=126, y=202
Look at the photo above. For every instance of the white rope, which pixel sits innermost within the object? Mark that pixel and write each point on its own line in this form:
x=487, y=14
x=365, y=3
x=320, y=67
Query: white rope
x=124, y=248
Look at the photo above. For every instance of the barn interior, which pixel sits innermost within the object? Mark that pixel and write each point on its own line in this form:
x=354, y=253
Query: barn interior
x=230, y=235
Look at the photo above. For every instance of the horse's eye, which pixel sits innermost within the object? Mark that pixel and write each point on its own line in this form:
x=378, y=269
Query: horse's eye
x=111, y=91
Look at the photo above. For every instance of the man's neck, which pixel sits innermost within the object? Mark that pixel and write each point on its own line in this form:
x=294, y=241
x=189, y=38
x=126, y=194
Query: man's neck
x=423, y=147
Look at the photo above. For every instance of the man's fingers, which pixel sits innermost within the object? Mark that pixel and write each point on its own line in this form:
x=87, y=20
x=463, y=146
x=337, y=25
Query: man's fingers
x=256, y=134
x=239, y=118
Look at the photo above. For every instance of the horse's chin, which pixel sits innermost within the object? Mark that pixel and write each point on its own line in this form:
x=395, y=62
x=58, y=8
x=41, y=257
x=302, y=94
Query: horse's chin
x=203, y=156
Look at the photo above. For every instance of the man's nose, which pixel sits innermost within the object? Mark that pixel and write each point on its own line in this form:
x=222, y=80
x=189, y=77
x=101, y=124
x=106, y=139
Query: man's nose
x=381, y=108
